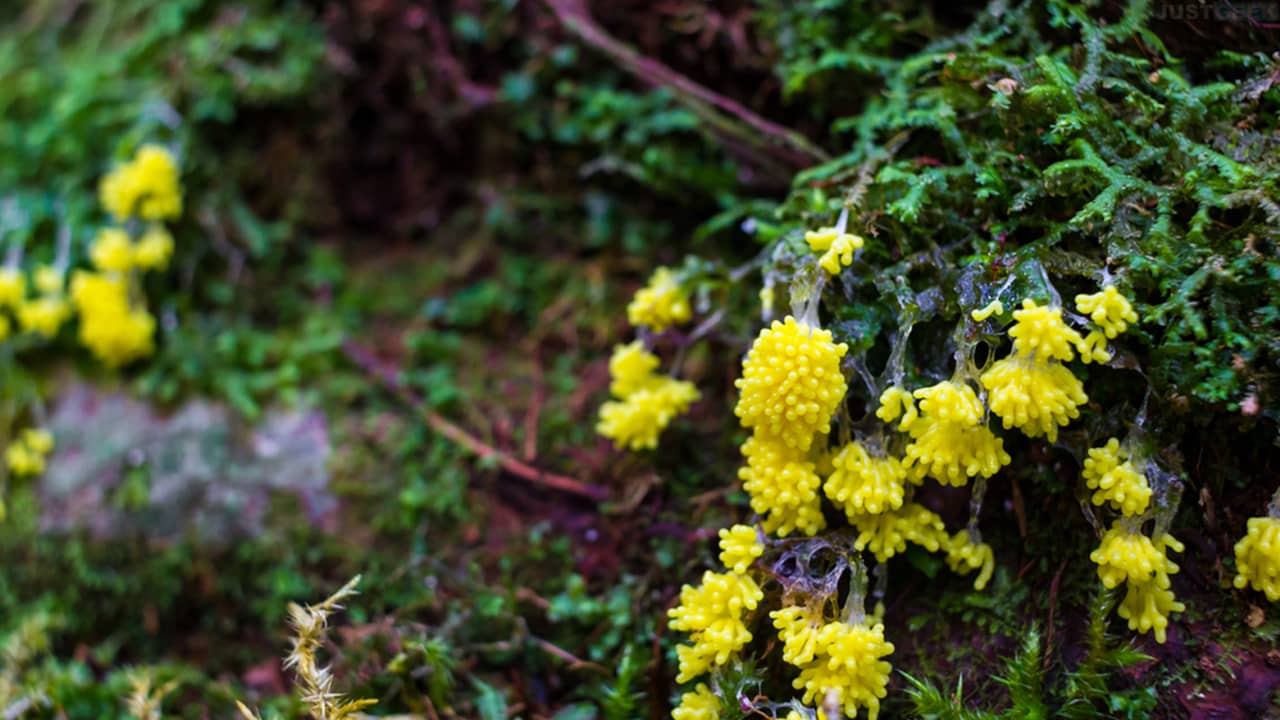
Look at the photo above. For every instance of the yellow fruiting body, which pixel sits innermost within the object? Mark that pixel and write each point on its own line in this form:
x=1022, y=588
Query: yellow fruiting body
x=1108, y=309
x=739, y=547
x=800, y=631
x=154, y=249
x=887, y=534
x=837, y=247
x=791, y=383
x=43, y=315
x=660, y=304
x=712, y=614
x=783, y=486
x=865, y=484
x=1030, y=389
x=950, y=402
x=113, y=329
x=112, y=251
x=897, y=402
x=964, y=556
x=1125, y=556
x=647, y=401
x=1039, y=332
x=949, y=441
x=848, y=664
x=22, y=460
x=1147, y=607
x=1258, y=557
x=25, y=456
x=13, y=287
x=1116, y=480
x=631, y=368
x=995, y=307
x=148, y=186
x=634, y=423
x=1035, y=397
x=952, y=453
x=1133, y=558
x=701, y=704
x=38, y=440
x=1093, y=348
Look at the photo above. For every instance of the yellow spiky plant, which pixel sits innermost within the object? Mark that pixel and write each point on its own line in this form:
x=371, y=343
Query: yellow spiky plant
x=144, y=699
x=315, y=681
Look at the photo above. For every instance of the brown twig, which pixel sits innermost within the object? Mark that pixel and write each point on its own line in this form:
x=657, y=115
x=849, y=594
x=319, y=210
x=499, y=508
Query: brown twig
x=365, y=359
x=1053, y=605
x=783, y=144
x=575, y=662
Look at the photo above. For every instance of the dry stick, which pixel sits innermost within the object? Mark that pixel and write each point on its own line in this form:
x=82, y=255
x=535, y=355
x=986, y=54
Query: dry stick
x=1053, y=604
x=386, y=376
x=796, y=149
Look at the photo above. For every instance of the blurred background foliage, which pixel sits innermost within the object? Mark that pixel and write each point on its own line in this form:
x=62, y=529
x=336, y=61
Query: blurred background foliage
x=461, y=196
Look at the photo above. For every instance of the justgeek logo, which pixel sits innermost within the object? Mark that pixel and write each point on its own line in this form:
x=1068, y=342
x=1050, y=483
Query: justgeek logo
x=1262, y=14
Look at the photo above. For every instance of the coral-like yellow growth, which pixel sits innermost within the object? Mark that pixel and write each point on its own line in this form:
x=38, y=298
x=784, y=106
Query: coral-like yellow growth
x=112, y=251
x=783, y=486
x=712, y=614
x=25, y=455
x=114, y=331
x=849, y=665
x=1258, y=557
x=1093, y=348
x=1125, y=556
x=1117, y=481
x=739, y=547
x=660, y=304
x=22, y=460
x=897, y=402
x=1108, y=309
x=634, y=423
x=887, y=534
x=13, y=287
x=147, y=186
x=1034, y=396
x=949, y=441
x=646, y=403
x=791, y=383
x=995, y=307
x=950, y=402
x=701, y=704
x=1039, y=332
x=863, y=484
x=631, y=368
x=154, y=249
x=837, y=247
x=1143, y=564
x=951, y=453
x=964, y=556
x=38, y=440
x=1147, y=607
x=43, y=315
x=800, y=630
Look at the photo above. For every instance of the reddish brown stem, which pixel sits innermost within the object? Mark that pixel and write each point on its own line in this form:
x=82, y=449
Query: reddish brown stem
x=386, y=376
